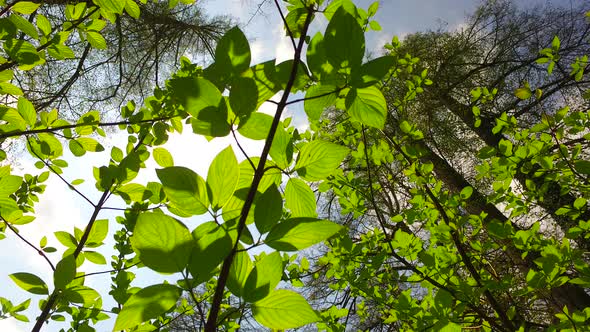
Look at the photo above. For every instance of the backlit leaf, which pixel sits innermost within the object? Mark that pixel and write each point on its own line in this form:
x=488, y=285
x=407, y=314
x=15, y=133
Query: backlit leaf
x=264, y=277
x=299, y=199
x=318, y=159
x=148, y=303
x=185, y=189
x=163, y=243
x=300, y=233
x=368, y=106
x=30, y=282
x=283, y=309
x=223, y=177
x=163, y=157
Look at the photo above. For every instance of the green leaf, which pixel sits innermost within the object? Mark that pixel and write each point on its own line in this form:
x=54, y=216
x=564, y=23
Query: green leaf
x=505, y=146
x=243, y=96
x=375, y=26
x=111, y=6
x=9, y=184
x=555, y=43
x=96, y=40
x=299, y=199
x=99, y=231
x=283, y=309
x=148, y=303
x=65, y=271
x=264, y=277
x=13, y=118
x=284, y=71
x=373, y=71
x=318, y=159
x=76, y=148
x=317, y=60
x=27, y=111
x=296, y=21
x=132, y=9
x=582, y=166
x=30, y=282
x=466, y=192
x=81, y=294
x=486, y=152
x=281, y=150
x=223, y=177
x=368, y=106
x=66, y=239
x=300, y=233
x=163, y=243
x=256, y=127
x=213, y=244
x=233, y=52
x=239, y=272
x=268, y=209
x=25, y=7
x=344, y=40
x=318, y=98
x=25, y=26
x=523, y=93
x=163, y=157
x=60, y=52
x=373, y=8
x=264, y=75
x=23, y=52
x=90, y=144
x=185, y=189
x=201, y=99
x=95, y=257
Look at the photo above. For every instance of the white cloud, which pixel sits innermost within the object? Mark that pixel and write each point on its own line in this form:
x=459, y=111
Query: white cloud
x=10, y=325
x=282, y=44
x=258, y=51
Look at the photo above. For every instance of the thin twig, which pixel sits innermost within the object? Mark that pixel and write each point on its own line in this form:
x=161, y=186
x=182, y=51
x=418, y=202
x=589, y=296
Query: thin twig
x=39, y=251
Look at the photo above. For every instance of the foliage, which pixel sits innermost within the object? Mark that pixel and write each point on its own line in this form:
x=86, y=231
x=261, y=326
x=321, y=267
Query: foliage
x=441, y=257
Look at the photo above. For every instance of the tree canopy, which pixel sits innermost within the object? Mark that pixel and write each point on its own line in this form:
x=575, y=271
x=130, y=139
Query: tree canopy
x=440, y=186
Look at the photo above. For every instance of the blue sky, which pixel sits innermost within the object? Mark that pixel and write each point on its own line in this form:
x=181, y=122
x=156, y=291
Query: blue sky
x=61, y=209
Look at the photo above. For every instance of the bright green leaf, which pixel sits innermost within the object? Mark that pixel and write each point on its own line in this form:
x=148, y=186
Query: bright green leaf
x=243, y=96
x=283, y=309
x=25, y=7
x=163, y=157
x=239, y=272
x=9, y=184
x=65, y=271
x=318, y=159
x=223, y=177
x=268, y=209
x=213, y=244
x=300, y=233
x=185, y=189
x=344, y=40
x=30, y=282
x=256, y=127
x=148, y=303
x=111, y=6
x=264, y=277
x=27, y=111
x=233, y=52
x=163, y=243
x=368, y=106
x=299, y=199
x=523, y=93
x=318, y=98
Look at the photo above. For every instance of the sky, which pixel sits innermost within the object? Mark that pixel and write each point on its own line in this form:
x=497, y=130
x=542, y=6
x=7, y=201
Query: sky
x=61, y=209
